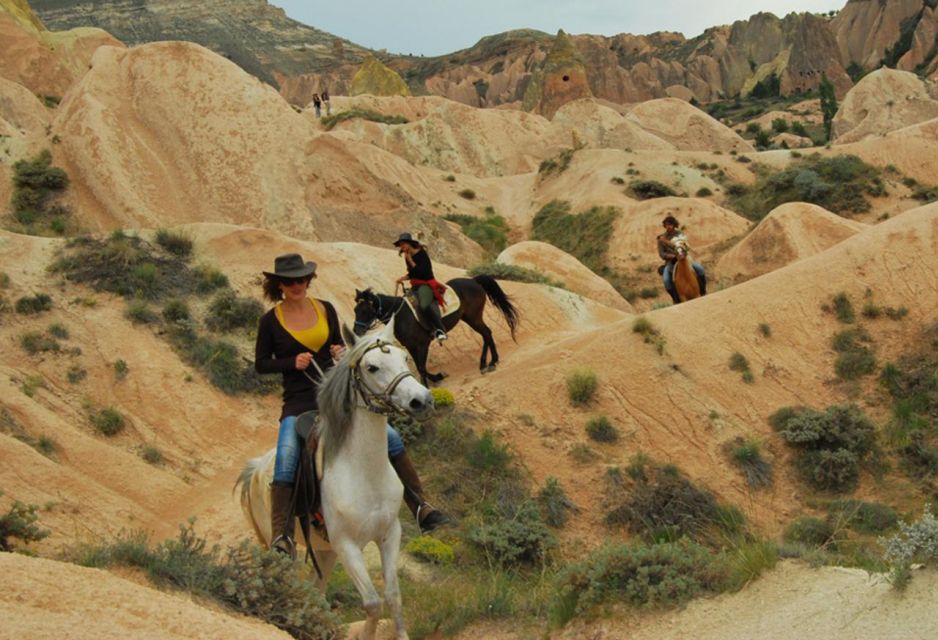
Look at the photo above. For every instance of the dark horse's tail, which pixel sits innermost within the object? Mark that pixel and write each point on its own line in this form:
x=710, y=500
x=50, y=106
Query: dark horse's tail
x=501, y=300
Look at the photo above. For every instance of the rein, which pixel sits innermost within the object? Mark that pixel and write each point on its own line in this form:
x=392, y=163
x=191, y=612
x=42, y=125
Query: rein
x=377, y=401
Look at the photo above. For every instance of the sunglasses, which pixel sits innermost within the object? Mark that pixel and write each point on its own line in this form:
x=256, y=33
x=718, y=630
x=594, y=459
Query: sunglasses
x=292, y=281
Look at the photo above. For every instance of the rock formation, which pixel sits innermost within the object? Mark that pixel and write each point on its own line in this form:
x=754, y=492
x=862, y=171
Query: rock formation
x=375, y=79
x=562, y=78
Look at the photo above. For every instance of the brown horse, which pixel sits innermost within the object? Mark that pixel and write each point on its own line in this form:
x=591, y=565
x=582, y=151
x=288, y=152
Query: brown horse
x=685, y=278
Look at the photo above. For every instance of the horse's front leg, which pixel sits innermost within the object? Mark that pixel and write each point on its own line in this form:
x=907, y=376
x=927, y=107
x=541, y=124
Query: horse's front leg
x=354, y=562
x=390, y=549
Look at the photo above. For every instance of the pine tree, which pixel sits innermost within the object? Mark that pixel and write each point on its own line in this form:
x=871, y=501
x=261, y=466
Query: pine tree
x=828, y=103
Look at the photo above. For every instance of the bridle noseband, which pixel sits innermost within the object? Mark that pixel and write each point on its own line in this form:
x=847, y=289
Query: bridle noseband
x=374, y=401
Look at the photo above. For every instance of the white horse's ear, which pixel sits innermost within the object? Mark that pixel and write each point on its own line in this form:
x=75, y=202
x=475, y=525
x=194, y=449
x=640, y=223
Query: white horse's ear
x=387, y=334
x=348, y=336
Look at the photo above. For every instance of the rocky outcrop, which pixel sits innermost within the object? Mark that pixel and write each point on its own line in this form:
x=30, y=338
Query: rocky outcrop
x=561, y=79
x=20, y=110
x=375, y=79
x=883, y=101
x=257, y=36
x=866, y=30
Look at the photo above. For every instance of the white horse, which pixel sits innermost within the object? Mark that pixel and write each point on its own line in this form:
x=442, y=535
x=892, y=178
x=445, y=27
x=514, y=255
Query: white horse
x=361, y=494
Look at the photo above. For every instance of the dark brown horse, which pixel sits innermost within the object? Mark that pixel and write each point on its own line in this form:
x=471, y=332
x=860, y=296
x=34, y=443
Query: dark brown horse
x=371, y=307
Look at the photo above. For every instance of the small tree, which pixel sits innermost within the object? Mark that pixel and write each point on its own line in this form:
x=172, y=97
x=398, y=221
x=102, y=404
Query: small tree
x=828, y=103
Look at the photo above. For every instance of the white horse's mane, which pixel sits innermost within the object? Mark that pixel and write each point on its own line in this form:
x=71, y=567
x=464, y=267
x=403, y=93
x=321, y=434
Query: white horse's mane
x=336, y=398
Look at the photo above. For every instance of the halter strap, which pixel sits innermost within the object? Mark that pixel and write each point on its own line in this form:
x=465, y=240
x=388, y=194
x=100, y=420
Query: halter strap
x=377, y=401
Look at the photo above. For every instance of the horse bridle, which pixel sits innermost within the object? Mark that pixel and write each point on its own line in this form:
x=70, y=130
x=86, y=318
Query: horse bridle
x=374, y=401
x=380, y=316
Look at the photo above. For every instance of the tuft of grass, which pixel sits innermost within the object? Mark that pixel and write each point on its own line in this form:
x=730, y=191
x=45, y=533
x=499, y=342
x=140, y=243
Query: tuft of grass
x=490, y=232
x=809, y=531
x=152, y=455
x=554, y=503
x=139, y=312
x=739, y=362
x=746, y=454
x=34, y=342
x=513, y=272
x=600, y=429
x=58, y=330
x=648, y=189
x=120, y=369
x=31, y=305
x=229, y=311
x=20, y=523
x=556, y=165
x=765, y=330
x=107, y=421
x=581, y=386
x=585, y=236
x=431, y=550
x=468, y=194
x=843, y=308
x=35, y=184
x=643, y=327
x=175, y=243
x=75, y=374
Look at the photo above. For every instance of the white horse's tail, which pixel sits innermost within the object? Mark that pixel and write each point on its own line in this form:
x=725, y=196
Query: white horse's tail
x=254, y=494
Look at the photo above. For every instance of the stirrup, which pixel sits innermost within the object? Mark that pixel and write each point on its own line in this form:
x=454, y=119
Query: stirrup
x=285, y=545
x=434, y=519
x=440, y=336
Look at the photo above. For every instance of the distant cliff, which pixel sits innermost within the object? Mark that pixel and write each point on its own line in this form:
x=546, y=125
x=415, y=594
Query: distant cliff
x=764, y=55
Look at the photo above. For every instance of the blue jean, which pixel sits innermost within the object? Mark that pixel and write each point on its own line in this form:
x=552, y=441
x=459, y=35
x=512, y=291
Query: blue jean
x=289, y=445
x=668, y=275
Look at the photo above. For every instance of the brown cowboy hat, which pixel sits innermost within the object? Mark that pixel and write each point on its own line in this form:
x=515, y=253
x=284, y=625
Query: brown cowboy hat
x=291, y=265
x=406, y=237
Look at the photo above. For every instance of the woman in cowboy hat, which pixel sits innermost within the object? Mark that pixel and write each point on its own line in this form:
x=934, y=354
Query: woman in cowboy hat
x=296, y=333
x=420, y=273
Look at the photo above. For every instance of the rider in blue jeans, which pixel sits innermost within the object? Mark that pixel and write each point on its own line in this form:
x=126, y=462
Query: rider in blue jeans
x=667, y=253
x=299, y=338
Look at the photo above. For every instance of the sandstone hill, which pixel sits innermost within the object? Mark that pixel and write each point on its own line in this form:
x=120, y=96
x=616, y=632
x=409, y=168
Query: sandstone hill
x=883, y=101
x=789, y=233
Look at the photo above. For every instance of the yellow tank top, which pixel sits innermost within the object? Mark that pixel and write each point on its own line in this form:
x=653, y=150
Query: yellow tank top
x=314, y=337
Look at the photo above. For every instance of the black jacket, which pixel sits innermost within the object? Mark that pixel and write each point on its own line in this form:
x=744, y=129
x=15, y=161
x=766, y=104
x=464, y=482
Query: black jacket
x=275, y=352
x=422, y=269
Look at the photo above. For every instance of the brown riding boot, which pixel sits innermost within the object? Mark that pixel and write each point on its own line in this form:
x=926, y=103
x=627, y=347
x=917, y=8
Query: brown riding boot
x=281, y=518
x=428, y=517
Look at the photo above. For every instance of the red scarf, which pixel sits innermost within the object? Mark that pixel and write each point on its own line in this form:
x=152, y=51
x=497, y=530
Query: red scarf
x=437, y=287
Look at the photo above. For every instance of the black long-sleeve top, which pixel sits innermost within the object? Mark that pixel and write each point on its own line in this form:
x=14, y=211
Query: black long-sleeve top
x=275, y=352
x=422, y=269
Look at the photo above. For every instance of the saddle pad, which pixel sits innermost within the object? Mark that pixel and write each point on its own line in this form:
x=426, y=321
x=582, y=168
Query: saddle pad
x=450, y=299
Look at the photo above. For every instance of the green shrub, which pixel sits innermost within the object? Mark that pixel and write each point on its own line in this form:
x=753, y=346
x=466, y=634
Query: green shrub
x=490, y=232
x=46, y=446
x=855, y=364
x=581, y=385
x=738, y=362
x=20, y=523
x=643, y=327
x=468, y=194
x=838, y=183
x=515, y=538
x=58, y=330
x=648, y=189
x=120, y=369
x=601, y=430
x=207, y=279
x=648, y=293
x=228, y=311
x=442, y=398
x=140, y=312
x=765, y=330
x=660, y=575
x=35, y=181
x=175, y=243
x=30, y=305
x=107, y=421
x=152, y=455
x=450, y=178
x=34, y=342
x=780, y=125
x=915, y=542
x=176, y=310
x=663, y=505
x=617, y=180
x=843, y=308
x=512, y=272
x=488, y=455
x=365, y=114
x=585, y=236
x=556, y=165
x=831, y=445
x=75, y=374
x=430, y=550
x=554, y=503
x=809, y=531
x=219, y=360
x=703, y=192
x=864, y=517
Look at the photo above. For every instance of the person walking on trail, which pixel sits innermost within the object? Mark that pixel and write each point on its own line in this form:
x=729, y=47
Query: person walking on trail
x=668, y=252
x=317, y=105
x=428, y=290
x=300, y=338
x=325, y=101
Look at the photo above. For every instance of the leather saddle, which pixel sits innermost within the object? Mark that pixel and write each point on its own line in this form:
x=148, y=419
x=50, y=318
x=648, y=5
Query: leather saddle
x=307, y=496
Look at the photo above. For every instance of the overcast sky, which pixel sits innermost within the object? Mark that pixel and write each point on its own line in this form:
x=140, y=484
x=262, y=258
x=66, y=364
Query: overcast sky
x=435, y=27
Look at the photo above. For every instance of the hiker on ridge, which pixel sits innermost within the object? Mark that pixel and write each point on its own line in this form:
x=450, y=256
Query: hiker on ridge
x=667, y=251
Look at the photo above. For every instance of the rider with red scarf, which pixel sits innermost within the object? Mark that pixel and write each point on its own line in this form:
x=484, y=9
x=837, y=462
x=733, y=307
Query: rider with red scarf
x=428, y=290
